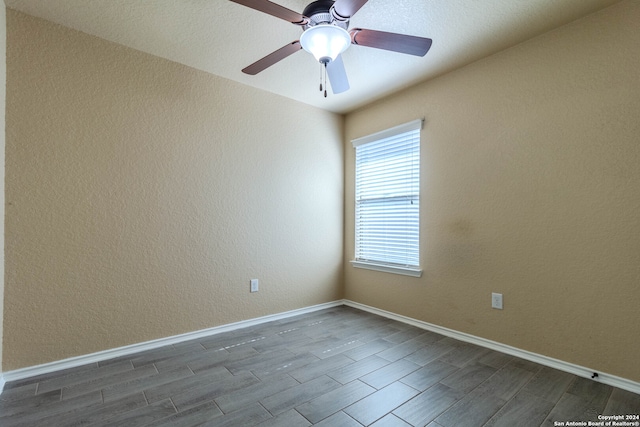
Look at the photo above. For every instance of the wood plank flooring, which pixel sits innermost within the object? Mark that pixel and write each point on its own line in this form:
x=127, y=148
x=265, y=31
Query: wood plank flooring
x=339, y=367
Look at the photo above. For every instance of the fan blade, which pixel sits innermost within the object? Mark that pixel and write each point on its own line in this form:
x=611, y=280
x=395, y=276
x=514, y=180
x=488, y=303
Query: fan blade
x=347, y=8
x=272, y=58
x=412, y=45
x=337, y=75
x=275, y=10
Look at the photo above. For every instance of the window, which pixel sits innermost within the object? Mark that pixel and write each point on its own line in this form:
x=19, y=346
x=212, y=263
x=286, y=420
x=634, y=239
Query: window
x=388, y=200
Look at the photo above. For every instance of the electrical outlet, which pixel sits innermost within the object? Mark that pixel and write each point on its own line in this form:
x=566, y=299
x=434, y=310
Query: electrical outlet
x=496, y=301
x=254, y=285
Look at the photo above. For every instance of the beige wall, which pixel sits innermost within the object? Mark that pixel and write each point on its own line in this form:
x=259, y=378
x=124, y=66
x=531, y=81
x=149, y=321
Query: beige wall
x=142, y=196
x=3, y=77
x=530, y=187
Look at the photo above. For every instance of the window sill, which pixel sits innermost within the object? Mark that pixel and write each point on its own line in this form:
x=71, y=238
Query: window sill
x=406, y=271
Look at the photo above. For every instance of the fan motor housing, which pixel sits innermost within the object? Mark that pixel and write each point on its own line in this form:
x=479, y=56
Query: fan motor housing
x=321, y=12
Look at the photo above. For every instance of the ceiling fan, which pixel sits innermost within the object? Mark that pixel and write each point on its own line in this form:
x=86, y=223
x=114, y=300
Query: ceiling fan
x=325, y=36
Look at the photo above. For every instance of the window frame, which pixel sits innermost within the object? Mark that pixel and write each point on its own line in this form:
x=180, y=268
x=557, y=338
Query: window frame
x=408, y=270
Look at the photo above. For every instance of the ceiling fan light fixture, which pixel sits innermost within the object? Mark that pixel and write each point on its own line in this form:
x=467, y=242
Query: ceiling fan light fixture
x=325, y=42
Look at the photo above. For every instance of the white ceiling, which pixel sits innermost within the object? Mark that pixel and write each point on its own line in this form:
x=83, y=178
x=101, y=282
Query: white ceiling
x=222, y=37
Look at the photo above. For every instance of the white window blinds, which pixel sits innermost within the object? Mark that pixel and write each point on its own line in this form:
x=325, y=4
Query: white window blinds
x=388, y=196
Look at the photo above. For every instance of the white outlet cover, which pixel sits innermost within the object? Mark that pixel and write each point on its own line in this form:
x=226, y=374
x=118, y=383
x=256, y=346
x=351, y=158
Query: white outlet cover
x=496, y=301
x=254, y=285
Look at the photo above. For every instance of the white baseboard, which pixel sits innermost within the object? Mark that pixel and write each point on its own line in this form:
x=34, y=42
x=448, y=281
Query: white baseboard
x=561, y=365
x=73, y=362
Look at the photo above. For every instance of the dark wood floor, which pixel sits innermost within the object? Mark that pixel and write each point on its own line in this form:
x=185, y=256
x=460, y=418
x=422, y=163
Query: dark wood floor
x=335, y=367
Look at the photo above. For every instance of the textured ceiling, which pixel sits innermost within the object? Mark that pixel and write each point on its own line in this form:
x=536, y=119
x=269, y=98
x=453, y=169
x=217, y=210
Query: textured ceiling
x=222, y=37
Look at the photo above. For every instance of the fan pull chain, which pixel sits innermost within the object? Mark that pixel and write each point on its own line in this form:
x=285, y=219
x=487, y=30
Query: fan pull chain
x=323, y=75
x=325, y=79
